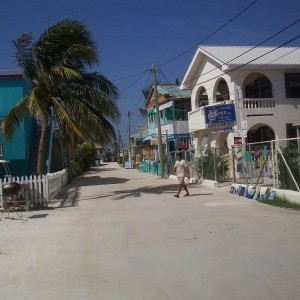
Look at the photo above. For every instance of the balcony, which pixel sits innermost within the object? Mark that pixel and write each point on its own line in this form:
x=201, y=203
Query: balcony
x=259, y=106
x=197, y=119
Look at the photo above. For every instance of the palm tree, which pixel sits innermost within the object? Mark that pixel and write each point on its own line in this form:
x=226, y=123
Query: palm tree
x=56, y=65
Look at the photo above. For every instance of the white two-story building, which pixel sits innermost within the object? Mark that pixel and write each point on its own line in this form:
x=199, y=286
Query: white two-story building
x=262, y=83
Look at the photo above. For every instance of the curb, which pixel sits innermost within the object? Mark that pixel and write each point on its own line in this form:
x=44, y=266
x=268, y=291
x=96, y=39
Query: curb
x=207, y=183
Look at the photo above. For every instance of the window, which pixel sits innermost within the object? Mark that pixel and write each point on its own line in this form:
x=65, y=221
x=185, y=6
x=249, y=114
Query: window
x=203, y=98
x=183, y=143
x=151, y=118
x=291, y=131
x=222, y=93
x=161, y=114
x=292, y=85
x=259, y=88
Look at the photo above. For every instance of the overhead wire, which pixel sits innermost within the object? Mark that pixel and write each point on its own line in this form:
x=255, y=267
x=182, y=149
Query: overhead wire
x=211, y=34
x=201, y=41
x=131, y=85
x=254, y=70
x=247, y=63
x=259, y=44
x=231, y=70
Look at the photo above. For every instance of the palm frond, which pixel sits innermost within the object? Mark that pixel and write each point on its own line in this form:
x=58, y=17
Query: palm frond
x=100, y=101
x=65, y=120
x=94, y=124
x=100, y=82
x=65, y=73
x=14, y=117
x=67, y=42
x=24, y=58
x=38, y=104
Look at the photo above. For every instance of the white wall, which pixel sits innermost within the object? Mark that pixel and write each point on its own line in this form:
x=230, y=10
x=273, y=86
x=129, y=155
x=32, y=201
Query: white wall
x=285, y=111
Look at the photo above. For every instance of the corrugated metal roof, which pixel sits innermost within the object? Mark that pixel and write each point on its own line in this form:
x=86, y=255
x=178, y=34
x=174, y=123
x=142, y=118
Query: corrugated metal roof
x=238, y=55
x=173, y=90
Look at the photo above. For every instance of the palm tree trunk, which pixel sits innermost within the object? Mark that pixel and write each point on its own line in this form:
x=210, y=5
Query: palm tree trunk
x=69, y=165
x=42, y=149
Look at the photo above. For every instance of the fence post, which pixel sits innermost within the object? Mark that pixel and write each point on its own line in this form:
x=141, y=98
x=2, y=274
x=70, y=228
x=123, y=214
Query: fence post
x=273, y=163
x=215, y=166
x=45, y=189
x=233, y=164
x=276, y=164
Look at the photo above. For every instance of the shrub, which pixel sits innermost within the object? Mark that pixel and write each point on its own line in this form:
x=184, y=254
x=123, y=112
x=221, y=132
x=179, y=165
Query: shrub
x=207, y=161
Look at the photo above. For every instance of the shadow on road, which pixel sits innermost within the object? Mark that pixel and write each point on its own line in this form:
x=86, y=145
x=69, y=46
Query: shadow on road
x=97, y=180
x=156, y=190
x=69, y=195
x=39, y=216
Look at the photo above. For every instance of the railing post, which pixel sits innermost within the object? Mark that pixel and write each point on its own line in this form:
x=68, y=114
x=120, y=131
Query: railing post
x=215, y=166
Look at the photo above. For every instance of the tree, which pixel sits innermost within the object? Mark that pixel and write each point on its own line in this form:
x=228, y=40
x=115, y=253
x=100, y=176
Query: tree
x=82, y=103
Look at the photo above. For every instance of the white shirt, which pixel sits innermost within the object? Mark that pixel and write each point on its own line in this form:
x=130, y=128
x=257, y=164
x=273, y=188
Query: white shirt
x=180, y=167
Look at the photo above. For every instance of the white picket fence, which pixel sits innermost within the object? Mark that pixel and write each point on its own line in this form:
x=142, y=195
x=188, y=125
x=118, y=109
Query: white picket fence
x=41, y=188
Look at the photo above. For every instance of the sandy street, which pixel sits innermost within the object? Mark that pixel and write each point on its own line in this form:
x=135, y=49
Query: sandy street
x=121, y=234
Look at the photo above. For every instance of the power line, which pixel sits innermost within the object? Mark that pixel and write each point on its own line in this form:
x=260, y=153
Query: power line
x=248, y=73
x=254, y=70
x=247, y=63
x=261, y=43
x=184, y=52
x=133, y=82
x=210, y=35
x=130, y=76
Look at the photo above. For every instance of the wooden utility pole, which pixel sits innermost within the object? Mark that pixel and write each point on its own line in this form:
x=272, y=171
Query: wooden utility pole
x=160, y=147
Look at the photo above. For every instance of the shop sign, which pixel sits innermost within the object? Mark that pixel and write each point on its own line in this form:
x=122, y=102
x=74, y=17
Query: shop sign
x=222, y=129
x=220, y=115
x=240, y=133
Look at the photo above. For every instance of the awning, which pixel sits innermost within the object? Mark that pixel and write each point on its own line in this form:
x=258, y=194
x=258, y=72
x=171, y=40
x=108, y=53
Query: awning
x=148, y=138
x=150, y=111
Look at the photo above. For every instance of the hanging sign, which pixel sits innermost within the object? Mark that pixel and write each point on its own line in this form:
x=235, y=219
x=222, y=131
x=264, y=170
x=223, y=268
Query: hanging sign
x=222, y=129
x=220, y=115
x=240, y=133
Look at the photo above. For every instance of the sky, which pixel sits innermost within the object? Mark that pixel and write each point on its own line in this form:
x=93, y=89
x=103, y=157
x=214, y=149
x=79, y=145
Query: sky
x=132, y=35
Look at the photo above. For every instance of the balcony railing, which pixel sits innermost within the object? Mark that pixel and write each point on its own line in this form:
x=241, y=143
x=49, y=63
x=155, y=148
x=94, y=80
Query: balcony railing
x=259, y=103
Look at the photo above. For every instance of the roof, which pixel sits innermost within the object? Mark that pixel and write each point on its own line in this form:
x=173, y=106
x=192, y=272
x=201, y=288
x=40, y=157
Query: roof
x=173, y=90
x=237, y=55
x=228, y=57
x=168, y=92
x=139, y=135
x=11, y=74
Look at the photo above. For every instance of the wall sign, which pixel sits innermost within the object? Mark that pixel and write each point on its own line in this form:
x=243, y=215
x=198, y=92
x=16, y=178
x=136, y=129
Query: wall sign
x=220, y=115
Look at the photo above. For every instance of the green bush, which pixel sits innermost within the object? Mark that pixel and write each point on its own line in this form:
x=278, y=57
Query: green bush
x=75, y=168
x=86, y=155
x=291, y=156
x=207, y=161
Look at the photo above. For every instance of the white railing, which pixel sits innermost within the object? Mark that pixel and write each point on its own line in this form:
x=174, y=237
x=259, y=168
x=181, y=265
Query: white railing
x=197, y=119
x=259, y=103
x=41, y=188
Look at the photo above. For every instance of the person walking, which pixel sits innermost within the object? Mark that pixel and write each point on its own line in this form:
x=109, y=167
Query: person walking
x=182, y=171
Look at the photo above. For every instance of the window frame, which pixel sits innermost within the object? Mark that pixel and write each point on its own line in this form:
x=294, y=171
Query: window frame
x=288, y=93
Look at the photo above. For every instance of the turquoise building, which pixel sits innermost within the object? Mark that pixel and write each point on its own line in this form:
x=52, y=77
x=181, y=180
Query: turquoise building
x=174, y=106
x=13, y=88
